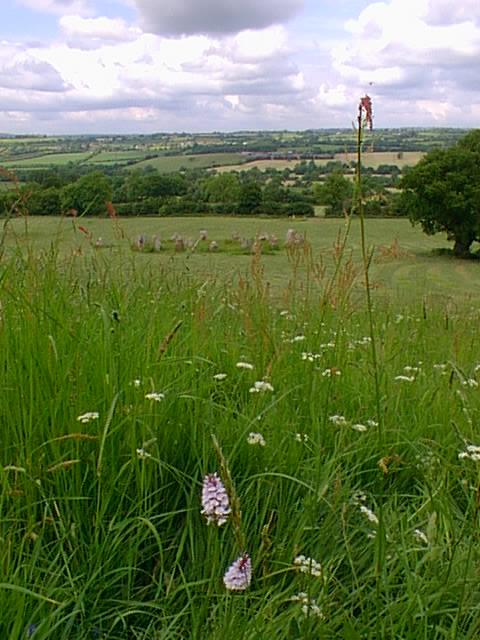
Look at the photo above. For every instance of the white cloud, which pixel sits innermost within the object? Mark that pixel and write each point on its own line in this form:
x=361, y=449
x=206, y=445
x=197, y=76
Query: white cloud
x=92, y=33
x=59, y=7
x=213, y=17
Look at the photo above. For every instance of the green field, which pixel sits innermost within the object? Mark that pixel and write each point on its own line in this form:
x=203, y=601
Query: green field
x=408, y=270
x=168, y=164
x=345, y=435
x=49, y=160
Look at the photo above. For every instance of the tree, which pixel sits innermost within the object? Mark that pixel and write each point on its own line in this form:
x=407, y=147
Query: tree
x=336, y=193
x=222, y=188
x=88, y=195
x=442, y=193
x=250, y=197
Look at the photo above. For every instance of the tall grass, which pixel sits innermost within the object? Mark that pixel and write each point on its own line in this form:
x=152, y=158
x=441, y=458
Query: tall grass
x=101, y=534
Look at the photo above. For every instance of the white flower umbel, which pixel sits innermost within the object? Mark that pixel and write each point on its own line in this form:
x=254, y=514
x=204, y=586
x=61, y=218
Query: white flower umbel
x=215, y=502
x=309, y=605
x=239, y=575
x=329, y=373
x=405, y=378
x=420, y=536
x=368, y=513
x=338, y=421
x=361, y=428
x=155, y=396
x=256, y=438
x=88, y=417
x=244, y=365
x=220, y=376
x=471, y=452
x=308, y=565
x=142, y=454
x=261, y=386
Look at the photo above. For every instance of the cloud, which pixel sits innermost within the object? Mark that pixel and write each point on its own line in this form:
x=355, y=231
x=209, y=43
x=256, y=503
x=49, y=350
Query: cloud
x=93, y=33
x=59, y=7
x=213, y=17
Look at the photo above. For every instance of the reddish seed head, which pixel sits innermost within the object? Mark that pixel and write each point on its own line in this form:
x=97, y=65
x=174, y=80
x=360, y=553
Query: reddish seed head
x=365, y=106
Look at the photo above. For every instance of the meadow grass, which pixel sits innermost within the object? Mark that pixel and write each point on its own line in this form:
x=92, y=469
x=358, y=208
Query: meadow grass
x=100, y=520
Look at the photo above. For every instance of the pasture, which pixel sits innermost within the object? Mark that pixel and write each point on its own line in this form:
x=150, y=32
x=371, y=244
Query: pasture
x=345, y=435
x=369, y=159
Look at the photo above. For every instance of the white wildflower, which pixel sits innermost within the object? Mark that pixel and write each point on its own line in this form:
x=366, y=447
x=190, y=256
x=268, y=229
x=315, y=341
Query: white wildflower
x=405, y=378
x=157, y=397
x=470, y=382
x=338, y=421
x=301, y=437
x=261, y=386
x=136, y=383
x=361, y=428
x=220, y=376
x=309, y=605
x=472, y=452
x=239, y=575
x=371, y=517
x=420, y=536
x=244, y=365
x=87, y=417
x=308, y=565
x=328, y=373
x=372, y=423
x=297, y=339
x=142, y=454
x=215, y=502
x=256, y=438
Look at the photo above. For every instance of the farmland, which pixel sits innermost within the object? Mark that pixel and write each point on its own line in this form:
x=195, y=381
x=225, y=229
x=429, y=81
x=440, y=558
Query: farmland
x=348, y=448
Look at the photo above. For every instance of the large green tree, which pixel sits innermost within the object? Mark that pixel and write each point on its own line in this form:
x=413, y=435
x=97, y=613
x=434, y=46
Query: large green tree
x=442, y=193
x=87, y=195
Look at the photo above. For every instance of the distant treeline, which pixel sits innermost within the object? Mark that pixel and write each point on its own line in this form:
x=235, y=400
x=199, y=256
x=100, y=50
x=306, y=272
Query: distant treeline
x=76, y=190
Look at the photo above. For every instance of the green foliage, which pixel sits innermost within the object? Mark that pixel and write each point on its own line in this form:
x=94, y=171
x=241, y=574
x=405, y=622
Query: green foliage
x=336, y=193
x=88, y=195
x=442, y=193
x=223, y=188
x=100, y=521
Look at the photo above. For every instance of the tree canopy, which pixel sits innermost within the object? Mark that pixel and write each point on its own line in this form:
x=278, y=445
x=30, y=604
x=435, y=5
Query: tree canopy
x=442, y=193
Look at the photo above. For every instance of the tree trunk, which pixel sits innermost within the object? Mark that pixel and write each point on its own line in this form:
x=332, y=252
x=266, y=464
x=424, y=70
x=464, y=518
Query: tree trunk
x=461, y=248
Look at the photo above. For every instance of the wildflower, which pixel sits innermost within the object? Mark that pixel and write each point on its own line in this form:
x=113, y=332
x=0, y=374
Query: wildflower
x=220, y=376
x=471, y=452
x=261, y=386
x=137, y=382
x=366, y=106
x=87, y=417
x=157, y=397
x=301, y=437
x=409, y=369
x=372, y=423
x=338, y=421
x=311, y=357
x=239, y=575
x=328, y=373
x=244, y=365
x=308, y=565
x=142, y=454
x=309, y=605
x=256, y=438
x=361, y=428
x=371, y=517
x=215, y=503
x=470, y=382
x=420, y=536
x=297, y=339
x=405, y=378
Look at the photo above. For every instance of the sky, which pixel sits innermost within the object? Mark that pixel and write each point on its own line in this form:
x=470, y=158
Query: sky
x=145, y=66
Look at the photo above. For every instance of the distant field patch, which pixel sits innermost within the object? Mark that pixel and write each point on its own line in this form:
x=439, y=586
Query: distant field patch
x=49, y=160
x=168, y=164
x=118, y=157
x=370, y=159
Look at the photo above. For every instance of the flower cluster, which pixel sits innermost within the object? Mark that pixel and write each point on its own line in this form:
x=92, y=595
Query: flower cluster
x=308, y=565
x=157, y=397
x=261, y=386
x=88, y=417
x=256, y=438
x=215, y=502
x=239, y=575
x=471, y=452
x=309, y=605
